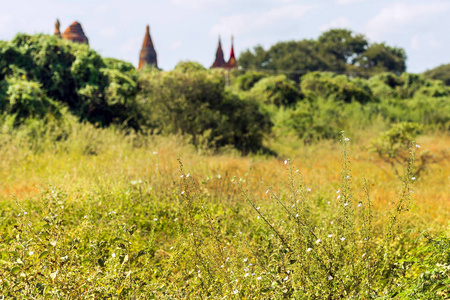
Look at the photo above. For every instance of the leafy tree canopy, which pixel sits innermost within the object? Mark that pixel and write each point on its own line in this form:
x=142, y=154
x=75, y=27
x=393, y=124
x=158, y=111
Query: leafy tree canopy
x=439, y=73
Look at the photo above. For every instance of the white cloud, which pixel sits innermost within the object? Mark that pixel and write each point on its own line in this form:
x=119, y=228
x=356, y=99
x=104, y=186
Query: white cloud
x=344, y=2
x=341, y=22
x=244, y=23
x=108, y=32
x=175, y=45
x=396, y=16
x=428, y=41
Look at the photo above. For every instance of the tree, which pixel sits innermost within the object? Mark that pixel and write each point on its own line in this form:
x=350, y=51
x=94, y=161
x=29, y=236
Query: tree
x=439, y=73
x=382, y=58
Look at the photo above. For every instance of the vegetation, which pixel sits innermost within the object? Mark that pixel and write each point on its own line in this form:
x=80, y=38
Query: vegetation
x=206, y=184
x=439, y=73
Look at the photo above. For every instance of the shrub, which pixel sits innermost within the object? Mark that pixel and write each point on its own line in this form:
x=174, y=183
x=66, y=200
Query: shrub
x=339, y=87
x=277, y=90
x=246, y=81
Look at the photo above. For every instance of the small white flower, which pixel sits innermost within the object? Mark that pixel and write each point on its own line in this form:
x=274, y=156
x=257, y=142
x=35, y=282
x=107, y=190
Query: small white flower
x=257, y=217
x=296, y=171
x=176, y=219
x=171, y=248
x=339, y=196
x=411, y=191
x=235, y=292
x=285, y=161
x=155, y=219
x=417, y=146
x=414, y=178
x=182, y=176
x=318, y=241
x=346, y=203
x=246, y=274
x=24, y=212
x=330, y=277
x=286, y=278
x=258, y=207
x=342, y=238
x=359, y=204
x=309, y=249
x=85, y=216
x=221, y=266
x=258, y=278
x=293, y=205
x=245, y=259
x=338, y=191
x=330, y=235
x=31, y=253
x=113, y=255
x=329, y=202
x=346, y=139
x=296, y=215
x=267, y=191
x=363, y=255
x=188, y=174
x=308, y=189
x=182, y=192
x=331, y=222
x=154, y=152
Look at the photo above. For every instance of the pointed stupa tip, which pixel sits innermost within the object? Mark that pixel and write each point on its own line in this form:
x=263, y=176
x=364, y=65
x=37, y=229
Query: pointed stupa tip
x=219, y=62
x=148, y=53
x=57, y=26
x=75, y=33
x=232, y=61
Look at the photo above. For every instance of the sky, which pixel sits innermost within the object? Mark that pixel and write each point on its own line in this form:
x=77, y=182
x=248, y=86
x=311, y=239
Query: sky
x=184, y=30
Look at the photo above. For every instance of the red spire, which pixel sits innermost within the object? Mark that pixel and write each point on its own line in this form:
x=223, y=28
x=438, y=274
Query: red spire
x=220, y=61
x=148, y=53
x=75, y=33
x=232, y=61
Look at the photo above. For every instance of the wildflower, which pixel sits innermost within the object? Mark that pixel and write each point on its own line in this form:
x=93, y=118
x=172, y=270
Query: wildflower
x=329, y=202
x=318, y=241
x=258, y=207
x=31, y=253
x=296, y=171
x=221, y=266
x=338, y=191
x=330, y=277
x=363, y=255
x=171, y=248
x=309, y=249
x=24, y=212
x=411, y=191
x=285, y=161
x=154, y=152
x=176, y=219
x=308, y=189
x=286, y=278
x=182, y=176
x=246, y=274
x=296, y=215
x=267, y=191
x=293, y=205
x=235, y=292
x=414, y=178
x=182, y=192
x=342, y=238
x=245, y=259
x=417, y=146
x=346, y=139
x=258, y=278
x=330, y=235
x=113, y=255
x=339, y=196
x=359, y=204
x=155, y=219
x=85, y=216
x=188, y=174
x=257, y=217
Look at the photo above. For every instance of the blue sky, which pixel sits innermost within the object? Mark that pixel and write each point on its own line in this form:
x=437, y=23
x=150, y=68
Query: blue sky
x=188, y=29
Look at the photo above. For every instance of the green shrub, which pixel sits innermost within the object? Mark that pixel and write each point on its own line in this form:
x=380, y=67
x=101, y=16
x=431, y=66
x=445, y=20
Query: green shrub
x=439, y=73
x=339, y=87
x=277, y=90
x=246, y=81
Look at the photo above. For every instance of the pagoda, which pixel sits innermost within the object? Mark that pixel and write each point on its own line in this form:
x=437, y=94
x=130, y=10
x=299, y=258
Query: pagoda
x=220, y=61
x=57, y=33
x=74, y=33
x=148, y=53
x=231, y=63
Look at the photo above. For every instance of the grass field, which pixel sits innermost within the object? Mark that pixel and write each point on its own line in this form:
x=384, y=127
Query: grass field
x=104, y=215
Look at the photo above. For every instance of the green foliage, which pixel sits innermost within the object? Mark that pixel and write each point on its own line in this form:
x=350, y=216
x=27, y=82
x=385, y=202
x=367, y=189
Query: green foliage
x=196, y=104
x=246, y=81
x=75, y=75
x=189, y=66
x=25, y=99
x=339, y=87
x=337, y=50
x=277, y=90
x=439, y=73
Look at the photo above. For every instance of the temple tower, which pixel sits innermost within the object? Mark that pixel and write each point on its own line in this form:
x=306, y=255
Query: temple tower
x=148, y=53
x=57, y=32
x=220, y=61
x=232, y=61
x=75, y=33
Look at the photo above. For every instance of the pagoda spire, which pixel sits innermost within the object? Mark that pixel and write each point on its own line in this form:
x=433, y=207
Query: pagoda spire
x=220, y=61
x=75, y=33
x=57, y=31
x=148, y=53
x=232, y=61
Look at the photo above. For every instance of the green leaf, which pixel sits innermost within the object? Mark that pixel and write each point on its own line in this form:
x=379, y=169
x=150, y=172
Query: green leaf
x=15, y=270
x=44, y=254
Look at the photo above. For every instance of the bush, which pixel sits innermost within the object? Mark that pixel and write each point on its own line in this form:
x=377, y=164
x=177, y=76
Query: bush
x=277, y=90
x=339, y=87
x=439, y=73
x=249, y=79
x=196, y=104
